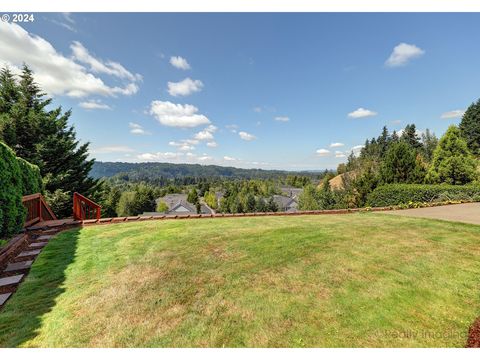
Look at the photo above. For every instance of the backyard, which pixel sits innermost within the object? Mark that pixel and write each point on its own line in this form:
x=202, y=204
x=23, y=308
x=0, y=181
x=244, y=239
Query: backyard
x=355, y=280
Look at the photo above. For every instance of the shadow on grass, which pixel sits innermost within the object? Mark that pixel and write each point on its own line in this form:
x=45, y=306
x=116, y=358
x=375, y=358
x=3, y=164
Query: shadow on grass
x=21, y=318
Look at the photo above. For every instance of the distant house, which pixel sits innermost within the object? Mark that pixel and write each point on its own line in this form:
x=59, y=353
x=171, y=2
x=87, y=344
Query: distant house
x=285, y=203
x=178, y=204
x=291, y=192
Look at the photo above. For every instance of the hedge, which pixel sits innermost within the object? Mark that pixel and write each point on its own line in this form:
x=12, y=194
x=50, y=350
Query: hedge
x=396, y=194
x=12, y=212
x=31, y=178
x=17, y=178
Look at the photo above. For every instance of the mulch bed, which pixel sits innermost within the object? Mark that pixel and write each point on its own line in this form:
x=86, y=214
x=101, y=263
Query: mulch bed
x=474, y=335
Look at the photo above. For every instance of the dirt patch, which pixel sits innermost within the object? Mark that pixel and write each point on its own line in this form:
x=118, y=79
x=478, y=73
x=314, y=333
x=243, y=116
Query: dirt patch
x=473, y=340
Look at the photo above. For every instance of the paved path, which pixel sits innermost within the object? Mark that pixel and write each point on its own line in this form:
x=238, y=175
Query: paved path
x=467, y=213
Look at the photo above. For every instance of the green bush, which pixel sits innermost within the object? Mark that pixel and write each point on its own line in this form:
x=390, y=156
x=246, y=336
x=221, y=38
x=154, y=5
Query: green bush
x=31, y=178
x=396, y=194
x=12, y=212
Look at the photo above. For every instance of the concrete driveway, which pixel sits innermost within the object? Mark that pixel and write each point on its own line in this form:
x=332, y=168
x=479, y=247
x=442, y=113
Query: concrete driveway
x=467, y=213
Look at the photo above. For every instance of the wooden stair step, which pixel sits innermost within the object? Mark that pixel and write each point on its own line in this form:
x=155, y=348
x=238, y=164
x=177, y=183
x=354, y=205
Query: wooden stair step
x=37, y=245
x=4, y=298
x=21, y=265
x=29, y=253
x=44, y=237
x=10, y=280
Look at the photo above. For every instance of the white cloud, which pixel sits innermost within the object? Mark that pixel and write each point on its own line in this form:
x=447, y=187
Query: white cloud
x=56, y=74
x=356, y=149
x=94, y=105
x=229, y=158
x=323, y=152
x=361, y=113
x=203, y=135
x=82, y=55
x=454, y=114
x=257, y=109
x=182, y=146
x=177, y=115
x=66, y=21
x=246, y=136
x=206, y=134
x=340, y=154
x=205, y=158
x=137, y=129
x=336, y=145
x=184, y=87
x=402, y=54
x=212, y=144
x=112, y=149
x=396, y=122
x=282, y=118
x=179, y=63
x=159, y=156
x=175, y=157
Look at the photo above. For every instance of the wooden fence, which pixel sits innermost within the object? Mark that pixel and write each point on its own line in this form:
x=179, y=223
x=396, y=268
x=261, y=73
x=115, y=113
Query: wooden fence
x=84, y=208
x=37, y=209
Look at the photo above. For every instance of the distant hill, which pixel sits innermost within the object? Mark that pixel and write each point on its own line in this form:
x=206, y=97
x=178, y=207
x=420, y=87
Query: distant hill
x=155, y=170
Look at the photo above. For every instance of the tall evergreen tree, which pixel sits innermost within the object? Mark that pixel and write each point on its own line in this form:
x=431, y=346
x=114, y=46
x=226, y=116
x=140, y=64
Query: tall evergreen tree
x=453, y=162
x=383, y=141
x=410, y=136
x=429, y=143
x=470, y=127
x=399, y=164
x=43, y=137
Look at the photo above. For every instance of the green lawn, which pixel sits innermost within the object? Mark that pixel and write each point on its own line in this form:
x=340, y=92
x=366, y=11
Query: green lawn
x=359, y=280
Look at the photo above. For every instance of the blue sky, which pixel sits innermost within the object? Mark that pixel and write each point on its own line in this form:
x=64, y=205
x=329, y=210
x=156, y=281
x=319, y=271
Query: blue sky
x=283, y=91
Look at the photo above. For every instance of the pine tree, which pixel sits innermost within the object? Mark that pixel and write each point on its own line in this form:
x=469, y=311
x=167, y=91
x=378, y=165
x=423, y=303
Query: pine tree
x=383, y=141
x=429, y=143
x=192, y=196
x=410, y=136
x=308, y=199
x=43, y=137
x=453, y=162
x=272, y=205
x=250, y=206
x=470, y=127
x=398, y=164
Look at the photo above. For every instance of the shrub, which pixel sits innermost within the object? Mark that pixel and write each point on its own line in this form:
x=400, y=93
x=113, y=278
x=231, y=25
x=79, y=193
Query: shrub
x=12, y=212
x=58, y=201
x=31, y=178
x=162, y=207
x=396, y=194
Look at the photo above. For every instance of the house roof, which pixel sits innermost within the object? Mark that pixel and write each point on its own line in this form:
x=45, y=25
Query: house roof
x=290, y=191
x=175, y=201
x=283, y=201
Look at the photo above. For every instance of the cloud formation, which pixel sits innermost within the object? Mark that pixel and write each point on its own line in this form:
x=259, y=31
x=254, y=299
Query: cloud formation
x=246, y=136
x=177, y=115
x=282, y=118
x=336, y=145
x=185, y=87
x=402, y=54
x=323, y=152
x=94, y=105
x=361, y=113
x=137, y=129
x=454, y=114
x=179, y=63
x=58, y=74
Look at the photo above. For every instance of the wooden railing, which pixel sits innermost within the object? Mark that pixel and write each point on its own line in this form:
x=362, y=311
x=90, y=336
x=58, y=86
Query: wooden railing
x=84, y=208
x=37, y=209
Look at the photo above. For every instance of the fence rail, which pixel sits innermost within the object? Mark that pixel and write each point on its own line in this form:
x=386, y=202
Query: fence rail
x=84, y=208
x=37, y=209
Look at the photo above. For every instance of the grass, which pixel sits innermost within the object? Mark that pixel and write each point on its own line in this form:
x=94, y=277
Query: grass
x=359, y=280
